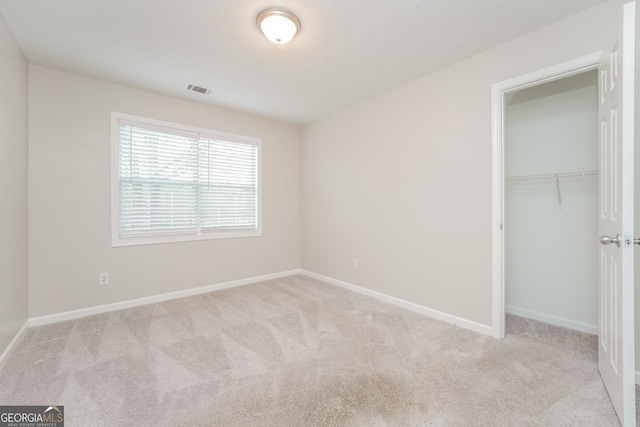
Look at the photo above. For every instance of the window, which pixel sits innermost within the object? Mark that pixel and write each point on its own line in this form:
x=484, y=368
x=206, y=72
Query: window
x=174, y=183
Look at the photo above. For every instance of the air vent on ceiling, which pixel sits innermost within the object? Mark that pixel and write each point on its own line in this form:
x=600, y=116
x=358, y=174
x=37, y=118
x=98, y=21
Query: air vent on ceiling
x=199, y=89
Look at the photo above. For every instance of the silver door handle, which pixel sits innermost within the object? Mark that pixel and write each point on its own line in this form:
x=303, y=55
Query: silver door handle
x=607, y=240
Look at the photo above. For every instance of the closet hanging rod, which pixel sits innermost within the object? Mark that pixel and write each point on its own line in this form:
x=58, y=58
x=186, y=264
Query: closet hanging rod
x=551, y=175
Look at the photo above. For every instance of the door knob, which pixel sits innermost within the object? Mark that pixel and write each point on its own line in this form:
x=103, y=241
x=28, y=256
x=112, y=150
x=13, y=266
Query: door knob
x=607, y=240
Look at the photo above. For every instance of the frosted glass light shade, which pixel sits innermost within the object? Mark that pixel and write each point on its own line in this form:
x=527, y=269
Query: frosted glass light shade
x=278, y=25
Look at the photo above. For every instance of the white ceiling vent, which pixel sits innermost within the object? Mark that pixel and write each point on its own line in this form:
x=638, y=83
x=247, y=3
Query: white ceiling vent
x=199, y=89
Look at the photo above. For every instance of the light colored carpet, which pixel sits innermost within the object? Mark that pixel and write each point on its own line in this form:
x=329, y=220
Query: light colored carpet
x=299, y=352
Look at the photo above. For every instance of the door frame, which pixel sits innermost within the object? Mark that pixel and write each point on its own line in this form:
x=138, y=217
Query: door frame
x=498, y=92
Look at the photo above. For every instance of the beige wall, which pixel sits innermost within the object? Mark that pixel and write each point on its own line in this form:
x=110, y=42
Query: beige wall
x=69, y=196
x=13, y=187
x=402, y=181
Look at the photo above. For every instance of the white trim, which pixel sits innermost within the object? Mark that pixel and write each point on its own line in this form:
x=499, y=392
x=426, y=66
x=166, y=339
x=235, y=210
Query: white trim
x=7, y=351
x=445, y=317
x=497, y=241
x=553, y=320
x=498, y=90
x=90, y=311
x=637, y=377
x=177, y=238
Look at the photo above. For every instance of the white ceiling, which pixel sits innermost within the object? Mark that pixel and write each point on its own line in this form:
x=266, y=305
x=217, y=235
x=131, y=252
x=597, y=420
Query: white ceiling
x=347, y=50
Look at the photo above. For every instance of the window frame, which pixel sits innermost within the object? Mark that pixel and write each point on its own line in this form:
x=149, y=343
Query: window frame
x=168, y=237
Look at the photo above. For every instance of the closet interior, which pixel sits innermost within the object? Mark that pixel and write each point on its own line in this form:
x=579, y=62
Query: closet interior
x=551, y=202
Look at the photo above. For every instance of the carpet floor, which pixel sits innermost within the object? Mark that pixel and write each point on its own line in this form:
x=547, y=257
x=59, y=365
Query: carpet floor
x=299, y=352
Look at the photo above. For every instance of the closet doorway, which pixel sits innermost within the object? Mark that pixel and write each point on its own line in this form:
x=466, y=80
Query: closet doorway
x=551, y=195
x=615, y=211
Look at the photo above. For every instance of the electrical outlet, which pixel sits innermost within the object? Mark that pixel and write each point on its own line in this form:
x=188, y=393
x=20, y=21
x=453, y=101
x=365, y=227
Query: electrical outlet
x=103, y=279
x=355, y=264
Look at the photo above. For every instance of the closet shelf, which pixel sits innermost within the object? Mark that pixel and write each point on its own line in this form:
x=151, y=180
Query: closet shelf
x=539, y=176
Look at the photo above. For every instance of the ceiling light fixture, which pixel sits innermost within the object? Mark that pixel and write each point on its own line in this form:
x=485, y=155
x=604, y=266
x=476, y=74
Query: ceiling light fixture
x=278, y=25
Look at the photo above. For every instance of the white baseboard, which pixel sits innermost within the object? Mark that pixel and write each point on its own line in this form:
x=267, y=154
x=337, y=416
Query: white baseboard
x=554, y=320
x=7, y=351
x=464, y=323
x=445, y=317
x=90, y=311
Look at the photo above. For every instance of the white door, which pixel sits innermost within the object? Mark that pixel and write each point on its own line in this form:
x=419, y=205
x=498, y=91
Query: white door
x=616, y=336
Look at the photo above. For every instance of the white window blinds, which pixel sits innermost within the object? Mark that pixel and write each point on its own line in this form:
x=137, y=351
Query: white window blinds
x=173, y=181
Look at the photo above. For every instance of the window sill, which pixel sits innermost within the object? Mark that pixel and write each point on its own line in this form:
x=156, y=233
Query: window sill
x=177, y=238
